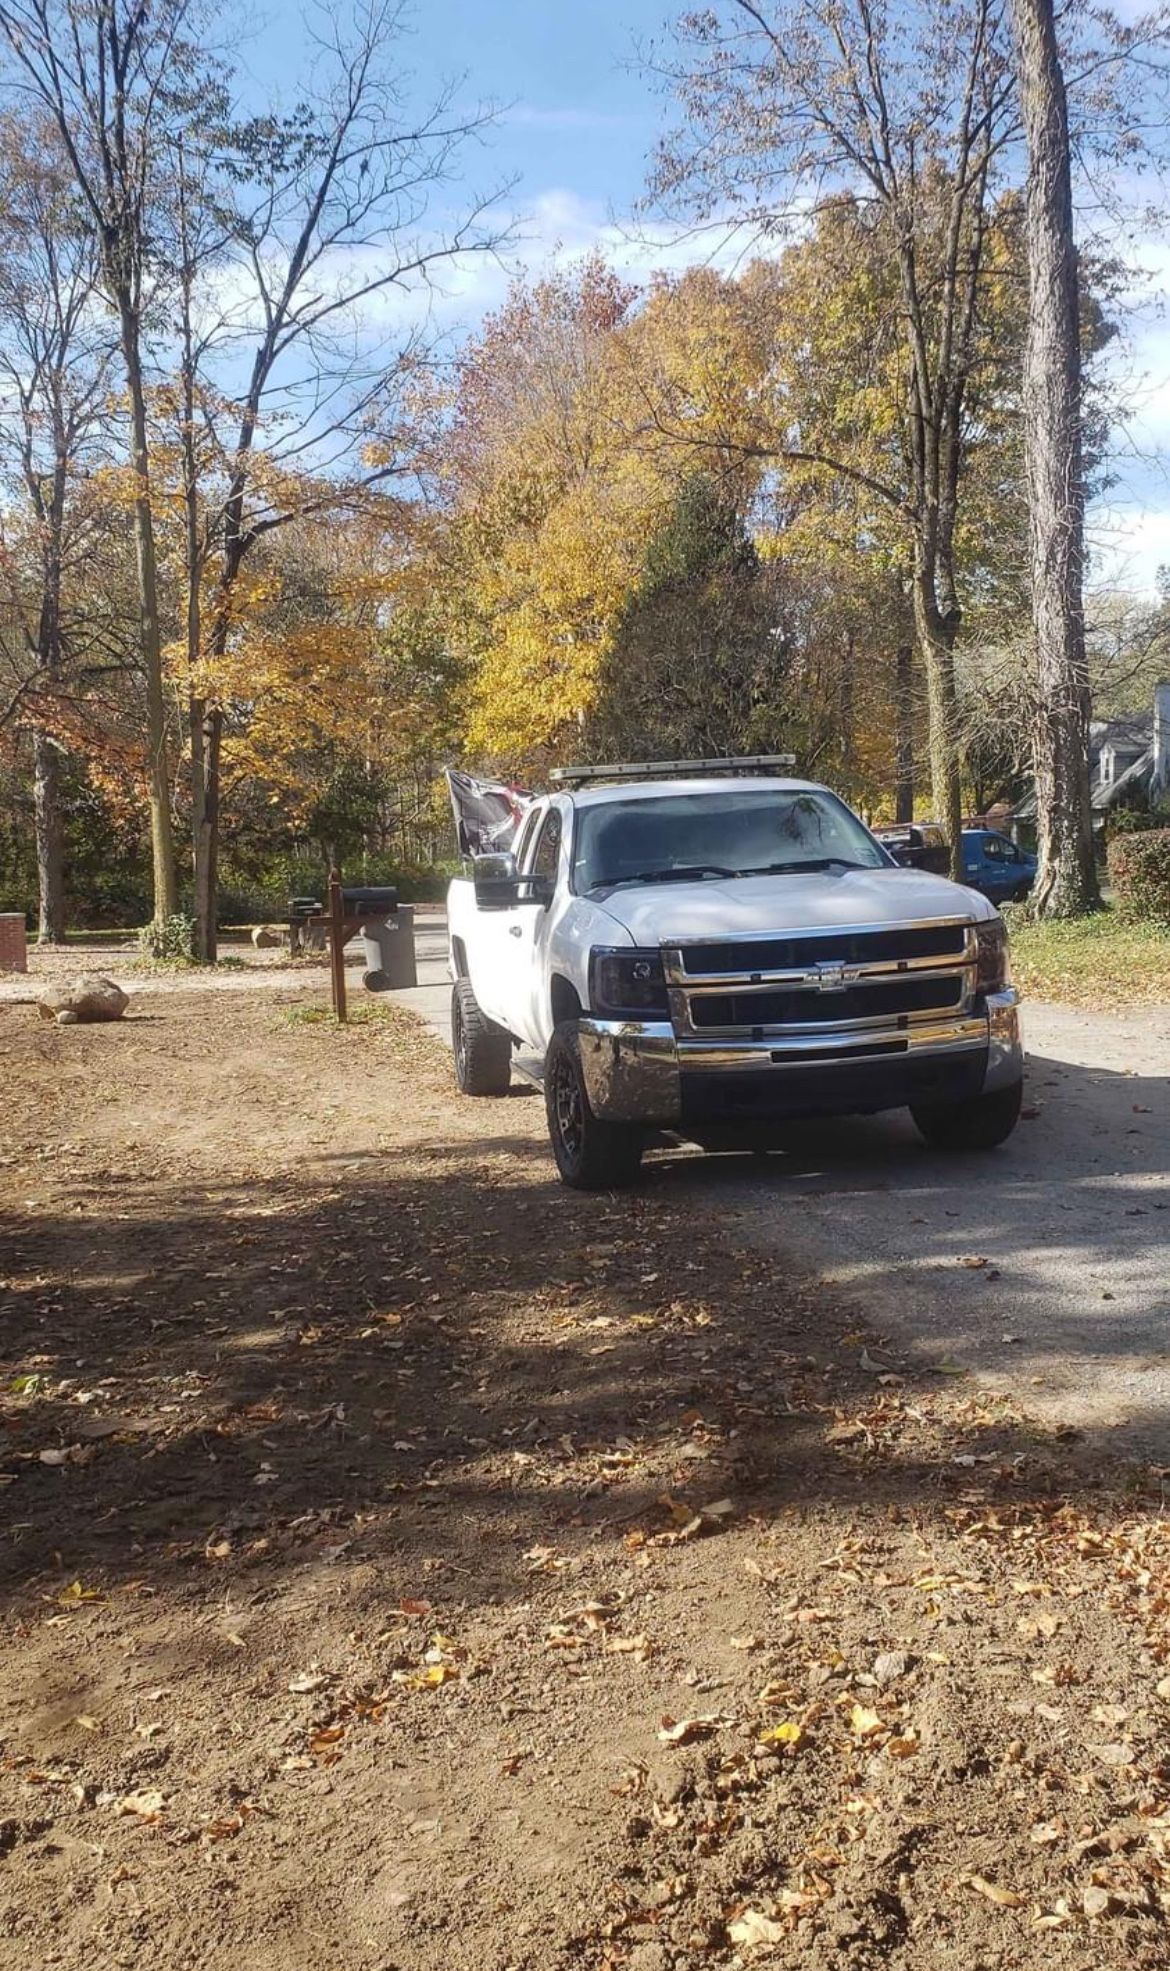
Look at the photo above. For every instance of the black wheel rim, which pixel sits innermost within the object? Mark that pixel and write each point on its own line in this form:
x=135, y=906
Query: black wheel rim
x=568, y=1110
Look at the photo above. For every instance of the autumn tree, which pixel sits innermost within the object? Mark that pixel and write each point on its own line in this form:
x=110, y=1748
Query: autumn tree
x=1066, y=884
x=118, y=79
x=788, y=105
x=700, y=656
x=55, y=364
x=332, y=218
x=554, y=486
x=543, y=509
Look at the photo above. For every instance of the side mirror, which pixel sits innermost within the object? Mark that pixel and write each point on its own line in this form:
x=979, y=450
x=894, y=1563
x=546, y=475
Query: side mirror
x=496, y=880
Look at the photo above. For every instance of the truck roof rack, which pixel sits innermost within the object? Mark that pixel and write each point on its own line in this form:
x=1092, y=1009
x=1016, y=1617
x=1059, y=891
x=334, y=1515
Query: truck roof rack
x=741, y=763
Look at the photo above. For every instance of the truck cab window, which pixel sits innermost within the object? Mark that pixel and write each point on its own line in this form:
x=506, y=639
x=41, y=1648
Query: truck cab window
x=524, y=843
x=548, y=850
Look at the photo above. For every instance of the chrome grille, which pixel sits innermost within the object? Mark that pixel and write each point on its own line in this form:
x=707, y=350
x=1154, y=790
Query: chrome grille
x=861, y=980
x=875, y=999
x=851, y=947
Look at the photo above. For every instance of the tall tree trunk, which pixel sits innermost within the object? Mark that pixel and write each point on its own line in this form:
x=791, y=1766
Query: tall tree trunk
x=157, y=762
x=49, y=839
x=846, y=705
x=904, y=733
x=205, y=829
x=936, y=638
x=1066, y=885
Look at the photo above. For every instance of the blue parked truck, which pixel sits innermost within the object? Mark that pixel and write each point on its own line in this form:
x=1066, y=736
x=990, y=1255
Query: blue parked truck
x=994, y=864
x=991, y=862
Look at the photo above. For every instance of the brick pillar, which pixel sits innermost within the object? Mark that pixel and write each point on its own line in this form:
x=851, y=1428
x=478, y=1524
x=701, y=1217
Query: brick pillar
x=13, y=945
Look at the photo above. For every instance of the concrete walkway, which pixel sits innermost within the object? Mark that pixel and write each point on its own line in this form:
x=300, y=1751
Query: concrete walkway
x=431, y=997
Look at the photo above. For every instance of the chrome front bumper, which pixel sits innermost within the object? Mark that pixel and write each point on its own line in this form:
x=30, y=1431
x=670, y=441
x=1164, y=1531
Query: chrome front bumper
x=634, y=1070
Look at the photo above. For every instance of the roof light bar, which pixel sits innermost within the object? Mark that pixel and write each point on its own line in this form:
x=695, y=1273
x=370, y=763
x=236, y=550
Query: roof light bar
x=742, y=763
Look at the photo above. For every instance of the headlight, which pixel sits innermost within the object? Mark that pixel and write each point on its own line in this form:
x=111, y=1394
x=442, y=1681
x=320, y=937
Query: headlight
x=994, y=970
x=627, y=982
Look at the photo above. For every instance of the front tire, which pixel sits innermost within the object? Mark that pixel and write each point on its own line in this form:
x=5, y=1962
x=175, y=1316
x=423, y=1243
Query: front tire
x=591, y=1155
x=483, y=1051
x=980, y=1124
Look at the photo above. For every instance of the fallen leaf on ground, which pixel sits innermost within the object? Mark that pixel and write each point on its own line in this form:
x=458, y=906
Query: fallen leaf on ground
x=863, y=1723
x=75, y=1593
x=683, y=1731
x=308, y=1682
x=221, y=1830
x=145, y=1805
x=753, y=1927
x=1003, y=1898
x=789, y=1733
x=430, y=1678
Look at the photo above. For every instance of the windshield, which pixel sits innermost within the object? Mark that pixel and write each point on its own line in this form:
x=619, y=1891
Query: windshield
x=741, y=832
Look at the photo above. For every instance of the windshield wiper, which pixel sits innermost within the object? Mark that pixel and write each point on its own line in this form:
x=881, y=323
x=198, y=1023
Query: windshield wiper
x=801, y=868
x=682, y=875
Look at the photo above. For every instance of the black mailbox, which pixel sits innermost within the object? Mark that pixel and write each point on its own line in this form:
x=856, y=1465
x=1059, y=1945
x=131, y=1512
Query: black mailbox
x=377, y=902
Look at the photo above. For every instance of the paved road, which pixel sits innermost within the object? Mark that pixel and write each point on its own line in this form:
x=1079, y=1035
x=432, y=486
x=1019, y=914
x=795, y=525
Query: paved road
x=1072, y=1217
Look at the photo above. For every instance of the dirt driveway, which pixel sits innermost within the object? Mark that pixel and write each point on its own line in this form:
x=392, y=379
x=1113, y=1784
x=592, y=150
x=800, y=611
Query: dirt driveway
x=1043, y=1269
x=409, y=1565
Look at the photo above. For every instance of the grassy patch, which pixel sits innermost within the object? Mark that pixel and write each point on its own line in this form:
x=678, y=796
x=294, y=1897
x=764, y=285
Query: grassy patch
x=1100, y=961
x=117, y=936
x=363, y=1014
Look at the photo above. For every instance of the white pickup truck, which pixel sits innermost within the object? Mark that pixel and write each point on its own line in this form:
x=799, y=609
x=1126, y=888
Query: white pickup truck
x=700, y=954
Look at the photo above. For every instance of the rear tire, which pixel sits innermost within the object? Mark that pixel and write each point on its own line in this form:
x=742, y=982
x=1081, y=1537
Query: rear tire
x=591, y=1155
x=483, y=1051
x=981, y=1124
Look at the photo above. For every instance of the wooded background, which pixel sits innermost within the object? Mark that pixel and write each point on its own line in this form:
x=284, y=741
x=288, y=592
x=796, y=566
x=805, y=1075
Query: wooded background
x=269, y=558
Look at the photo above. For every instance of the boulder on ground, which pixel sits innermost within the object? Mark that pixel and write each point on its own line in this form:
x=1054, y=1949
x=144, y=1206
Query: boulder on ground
x=266, y=937
x=78, y=1001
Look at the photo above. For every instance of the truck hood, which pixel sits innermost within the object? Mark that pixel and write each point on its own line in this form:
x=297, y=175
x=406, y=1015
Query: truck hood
x=671, y=913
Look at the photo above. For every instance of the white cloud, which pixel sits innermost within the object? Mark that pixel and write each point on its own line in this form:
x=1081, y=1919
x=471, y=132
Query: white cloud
x=1127, y=546
x=1129, y=528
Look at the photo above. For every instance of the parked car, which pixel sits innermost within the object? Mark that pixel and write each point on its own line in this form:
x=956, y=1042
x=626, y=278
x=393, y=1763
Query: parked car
x=917, y=845
x=692, y=953
x=993, y=864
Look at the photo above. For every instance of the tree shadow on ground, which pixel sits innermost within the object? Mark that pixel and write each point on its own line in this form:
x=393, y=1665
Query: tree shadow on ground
x=452, y=1358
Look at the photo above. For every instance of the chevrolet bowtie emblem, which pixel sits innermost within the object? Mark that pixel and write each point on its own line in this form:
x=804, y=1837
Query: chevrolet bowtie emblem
x=832, y=977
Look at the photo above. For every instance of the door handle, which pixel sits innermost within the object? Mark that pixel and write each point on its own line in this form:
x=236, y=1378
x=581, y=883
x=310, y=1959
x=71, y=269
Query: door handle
x=515, y=931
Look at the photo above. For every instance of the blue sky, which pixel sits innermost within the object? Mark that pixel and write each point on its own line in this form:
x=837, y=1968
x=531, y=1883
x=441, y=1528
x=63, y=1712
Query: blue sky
x=577, y=123
x=575, y=114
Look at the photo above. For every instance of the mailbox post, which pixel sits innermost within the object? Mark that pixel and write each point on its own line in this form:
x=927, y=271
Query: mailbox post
x=387, y=931
x=337, y=944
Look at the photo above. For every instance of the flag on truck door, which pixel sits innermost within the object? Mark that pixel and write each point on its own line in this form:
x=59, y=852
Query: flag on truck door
x=487, y=813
